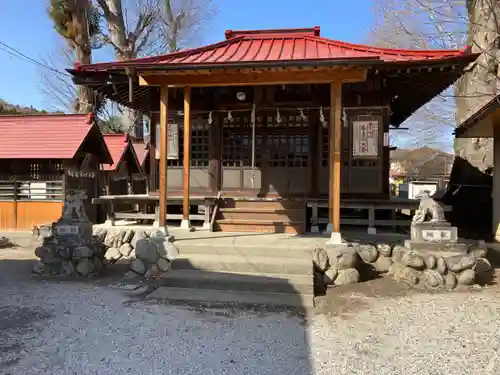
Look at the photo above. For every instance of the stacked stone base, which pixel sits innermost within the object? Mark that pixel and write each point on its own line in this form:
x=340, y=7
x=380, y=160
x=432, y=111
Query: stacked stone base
x=70, y=256
x=350, y=264
x=440, y=270
x=147, y=254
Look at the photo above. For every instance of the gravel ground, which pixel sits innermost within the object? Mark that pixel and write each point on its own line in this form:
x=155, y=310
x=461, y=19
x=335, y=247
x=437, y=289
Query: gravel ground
x=49, y=327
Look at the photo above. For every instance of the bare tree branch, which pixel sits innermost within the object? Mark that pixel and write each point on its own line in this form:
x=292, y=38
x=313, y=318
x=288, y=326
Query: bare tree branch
x=448, y=24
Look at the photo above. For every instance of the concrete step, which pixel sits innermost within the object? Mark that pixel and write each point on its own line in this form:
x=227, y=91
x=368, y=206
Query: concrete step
x=260, y=226
x=266, y=214
x=250, y=282
x=229, y=296
x=186, y=249
x=244, y=264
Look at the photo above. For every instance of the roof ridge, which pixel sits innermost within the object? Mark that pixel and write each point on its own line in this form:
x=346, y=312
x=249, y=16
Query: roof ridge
x=225, y=50
x=385, y=50
x=158, y=58
x=316, y=30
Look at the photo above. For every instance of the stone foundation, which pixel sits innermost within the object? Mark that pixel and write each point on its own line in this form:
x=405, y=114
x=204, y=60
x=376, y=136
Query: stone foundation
x=70, y=254
x=440, y=269
x=352, y=263
x=148, y=254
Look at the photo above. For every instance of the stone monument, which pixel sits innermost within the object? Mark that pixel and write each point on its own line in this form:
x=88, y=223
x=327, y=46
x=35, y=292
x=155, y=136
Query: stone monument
x=70, y=248
x=431, y=231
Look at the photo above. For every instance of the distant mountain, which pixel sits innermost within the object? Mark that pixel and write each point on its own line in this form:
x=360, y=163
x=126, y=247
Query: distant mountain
x=12, y=109
x=421, y=162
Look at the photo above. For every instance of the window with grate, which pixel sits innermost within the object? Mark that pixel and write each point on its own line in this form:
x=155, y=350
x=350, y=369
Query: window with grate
x=237, y=141
x=325, y=148
x=287, y=141
x=236, y=148
x=35, y=171
x=200, y=145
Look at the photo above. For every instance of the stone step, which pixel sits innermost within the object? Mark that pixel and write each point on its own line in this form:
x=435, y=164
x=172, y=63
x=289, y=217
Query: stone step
x=250, y=282
x=186, y=248
x=244, y=264
x=230, y=296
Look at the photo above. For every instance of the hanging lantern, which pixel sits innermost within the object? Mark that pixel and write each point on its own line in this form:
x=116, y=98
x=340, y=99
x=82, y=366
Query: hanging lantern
x=241, y=96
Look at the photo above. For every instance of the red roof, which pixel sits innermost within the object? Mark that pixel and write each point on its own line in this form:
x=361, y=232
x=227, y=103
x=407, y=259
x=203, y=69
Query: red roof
x=43, y=136
x=141, y=150
x=117, y=145
x=266, y=46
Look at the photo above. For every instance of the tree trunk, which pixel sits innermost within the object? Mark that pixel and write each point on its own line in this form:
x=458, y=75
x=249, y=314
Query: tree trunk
x=123, y=51
x=479, y=85
x=83, y=53
x=470, y=179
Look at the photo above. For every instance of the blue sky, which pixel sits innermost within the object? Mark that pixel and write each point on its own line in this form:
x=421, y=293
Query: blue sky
x=21, y=81
x=349, y=21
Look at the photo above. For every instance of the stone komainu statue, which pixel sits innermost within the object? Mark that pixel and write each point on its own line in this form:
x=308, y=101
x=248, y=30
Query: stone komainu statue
x=73, y=205
x=429, y=210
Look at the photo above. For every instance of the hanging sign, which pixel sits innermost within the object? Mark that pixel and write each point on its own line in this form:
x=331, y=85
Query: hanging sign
x=172, y=141
x=365, y=138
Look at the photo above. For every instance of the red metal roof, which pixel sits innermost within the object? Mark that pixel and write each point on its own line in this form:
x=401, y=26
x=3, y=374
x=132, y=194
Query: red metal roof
x=141, y=150
x=117, y=145
x=43, y=136
x=261, y=46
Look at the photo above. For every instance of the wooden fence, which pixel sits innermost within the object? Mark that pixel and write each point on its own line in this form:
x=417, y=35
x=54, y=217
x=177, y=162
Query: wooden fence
x=29, y=202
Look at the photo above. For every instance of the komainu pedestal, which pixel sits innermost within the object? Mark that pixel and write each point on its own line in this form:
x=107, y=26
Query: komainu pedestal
x=431, y=231
x=71, y=249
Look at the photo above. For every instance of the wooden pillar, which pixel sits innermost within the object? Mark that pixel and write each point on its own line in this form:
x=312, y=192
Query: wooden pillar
x=187, y=157
x=153, y=186
x=335, y=133
x=162, y=220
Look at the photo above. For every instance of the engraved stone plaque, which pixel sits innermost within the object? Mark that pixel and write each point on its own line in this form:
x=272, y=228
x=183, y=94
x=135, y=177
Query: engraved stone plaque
x=67, y=229
x=437, y=235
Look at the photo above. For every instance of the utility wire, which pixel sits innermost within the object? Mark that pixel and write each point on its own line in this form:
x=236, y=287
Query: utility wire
x=14, y=52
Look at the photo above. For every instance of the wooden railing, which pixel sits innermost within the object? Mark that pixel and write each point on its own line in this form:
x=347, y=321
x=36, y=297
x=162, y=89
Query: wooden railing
x=29, y=190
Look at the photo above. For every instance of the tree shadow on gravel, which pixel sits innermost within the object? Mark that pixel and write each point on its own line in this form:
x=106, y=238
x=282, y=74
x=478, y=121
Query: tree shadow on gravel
x=258, y=331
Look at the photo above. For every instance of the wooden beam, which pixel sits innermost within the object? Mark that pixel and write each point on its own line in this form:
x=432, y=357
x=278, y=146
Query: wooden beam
x=163, y=156
x=335, y=154
x=239, y=78
x=187, y=154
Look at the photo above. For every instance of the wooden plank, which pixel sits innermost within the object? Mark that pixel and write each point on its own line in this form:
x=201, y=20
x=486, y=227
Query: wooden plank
x=16, y=198
x=7, y=218
x=378, y=206
x=36, y=212
x=238, y=78
x=187, y=150
x=142, y=216
x=365, y=222
x=163, y=155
